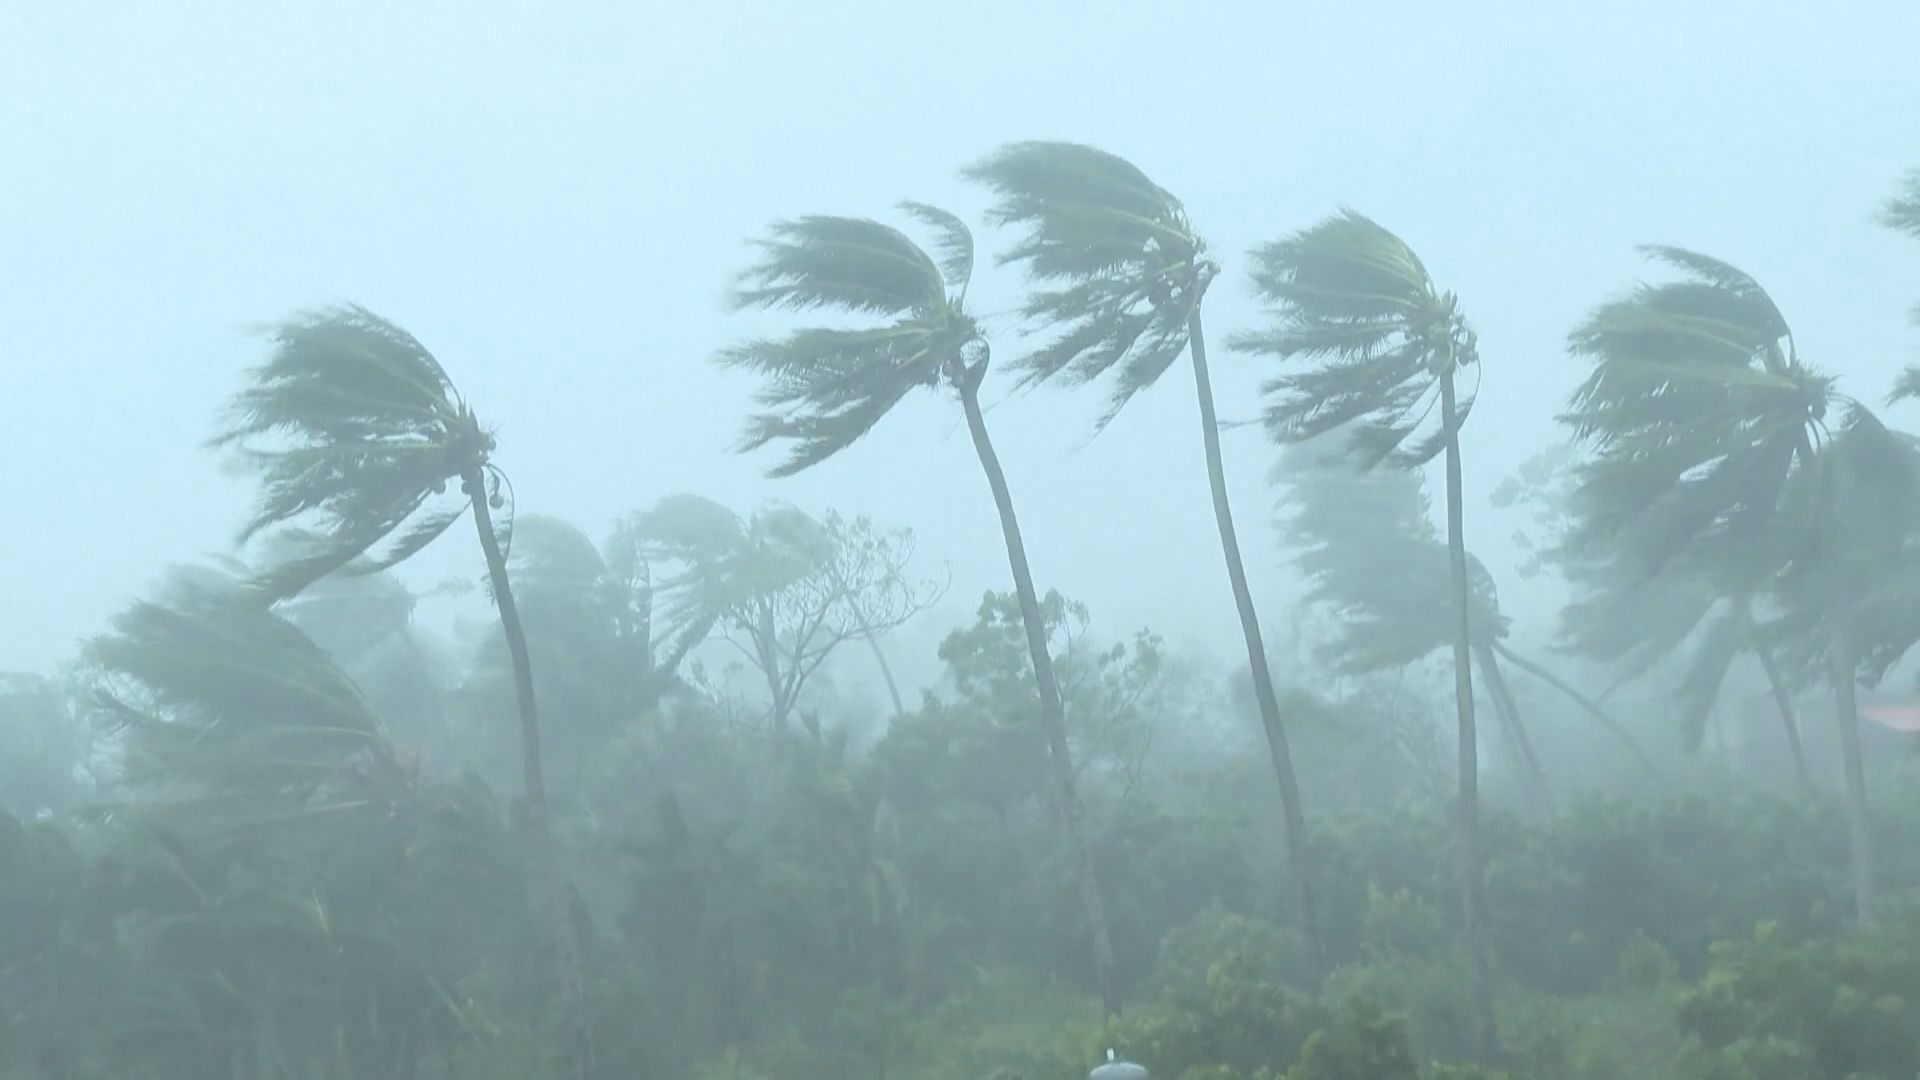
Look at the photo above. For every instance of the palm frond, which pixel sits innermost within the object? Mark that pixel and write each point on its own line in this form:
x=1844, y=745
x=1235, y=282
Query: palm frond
x=353, y=426
x=955, y=244
x=841, y=263
x=1698, y=409
x=225, y=703
x=1118, y=267
x=1849, y=563
x=1902, y=212
x=826, y=387
x=1366, y=544
x=1351, y=294
x=1906, y=386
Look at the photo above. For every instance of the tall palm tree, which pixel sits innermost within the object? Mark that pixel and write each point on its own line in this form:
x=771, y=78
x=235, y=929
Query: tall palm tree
x=356, y=430
x=1713, y=451
x=1353, y=295
x=827, y=387
x=1121, y=274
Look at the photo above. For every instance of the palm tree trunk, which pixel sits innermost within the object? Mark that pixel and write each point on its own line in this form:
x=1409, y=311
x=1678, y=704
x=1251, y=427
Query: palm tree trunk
x=1052, y=710
x=1509, y=708
x=546, y=876
x=1783, y=703
x=1472, y=870
x=1299, y=853
x=1586, y=704
x=1860, y=824
x=886, y=672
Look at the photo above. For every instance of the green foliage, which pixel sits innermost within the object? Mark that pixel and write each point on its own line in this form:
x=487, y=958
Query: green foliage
x=1773, y=1006
x=1119, y=269
x=826, y=387
x=1373, y=562
x=1348, y=292
x=354, y=428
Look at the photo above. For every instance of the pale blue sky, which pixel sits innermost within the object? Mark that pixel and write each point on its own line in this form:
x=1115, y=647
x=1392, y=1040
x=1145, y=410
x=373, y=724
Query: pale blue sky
x=553, y=196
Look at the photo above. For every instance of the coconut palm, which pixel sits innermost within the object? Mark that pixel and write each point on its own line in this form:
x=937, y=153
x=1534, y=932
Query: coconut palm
x=1713, y=453
x=1354, y=296
x=826, y=387
x=356, y=431
x=1120, y=274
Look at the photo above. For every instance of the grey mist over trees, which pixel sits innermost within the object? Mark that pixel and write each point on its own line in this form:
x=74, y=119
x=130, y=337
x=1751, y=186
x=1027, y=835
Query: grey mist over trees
x=605, y=544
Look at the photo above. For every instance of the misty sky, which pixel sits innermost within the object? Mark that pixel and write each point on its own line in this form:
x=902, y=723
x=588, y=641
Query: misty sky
x=553, y=198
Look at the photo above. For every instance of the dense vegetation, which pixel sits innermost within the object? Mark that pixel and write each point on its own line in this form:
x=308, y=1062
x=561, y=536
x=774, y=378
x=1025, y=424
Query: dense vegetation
x=267, y=825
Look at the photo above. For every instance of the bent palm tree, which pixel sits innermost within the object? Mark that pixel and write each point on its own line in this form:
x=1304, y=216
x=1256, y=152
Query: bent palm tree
x=1123, y=274
x=827, y=387
x=1350, y=293
x=355, y=428
x=1712, y=452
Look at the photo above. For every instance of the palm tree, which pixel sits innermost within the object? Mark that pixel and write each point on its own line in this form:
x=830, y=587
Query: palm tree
x=827, y=387
x=1713, y=453
x=1351, y=293
x=355, y=429
x=1121, y=275
x=264, y=825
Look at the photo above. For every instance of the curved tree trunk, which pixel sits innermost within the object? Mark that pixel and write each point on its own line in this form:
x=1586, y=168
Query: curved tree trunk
x=886, y=672
x=1783, y=703
x=1473, y=884
x=1587, y=704
x=1299, y=852
x=1052, y=709
x=1860, y=824
x=550, y=892
x=1516, y=728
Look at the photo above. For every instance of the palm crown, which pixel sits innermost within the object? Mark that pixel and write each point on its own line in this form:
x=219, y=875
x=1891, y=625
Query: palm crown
x=1351, y=293
x=1699, y=408
x=355, y=427
x=826, y=387
x=1120, y=268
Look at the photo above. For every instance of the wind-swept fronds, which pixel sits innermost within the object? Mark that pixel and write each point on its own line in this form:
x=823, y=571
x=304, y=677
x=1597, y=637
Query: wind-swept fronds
x=1352, y=294
x=826, y=387
x=1698, y=409
x=1119, y=268
x=1854, y=578
x=1366, y=544
x=1902, y=212
x=225, y=704
x=354, y=428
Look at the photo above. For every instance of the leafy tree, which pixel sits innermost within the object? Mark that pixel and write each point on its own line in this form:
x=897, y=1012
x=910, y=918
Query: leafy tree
x=783, y=588
x=1712, y=453
x=826, y=387
x=356, y=429
x=1353, y=295
x=1121, y=275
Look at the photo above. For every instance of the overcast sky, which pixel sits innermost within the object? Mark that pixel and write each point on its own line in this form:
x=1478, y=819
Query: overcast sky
x=554, y=196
